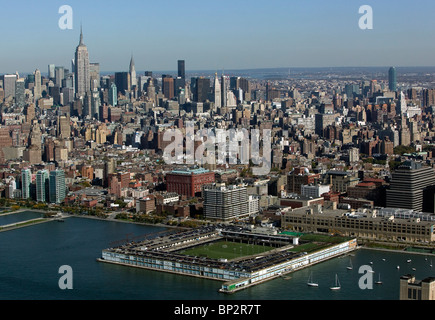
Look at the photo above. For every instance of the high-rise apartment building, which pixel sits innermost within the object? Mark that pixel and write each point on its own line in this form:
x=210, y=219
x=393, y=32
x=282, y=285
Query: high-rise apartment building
x=26, y=180
x=228, y=202
x=82, y=69
x=407, y=186
x=57, y=186
x=42, y=186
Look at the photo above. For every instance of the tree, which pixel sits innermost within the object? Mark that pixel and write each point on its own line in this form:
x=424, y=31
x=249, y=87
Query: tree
x=403, y=149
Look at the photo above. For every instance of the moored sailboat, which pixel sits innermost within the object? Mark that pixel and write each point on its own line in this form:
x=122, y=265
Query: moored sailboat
x=337, y=284
x=310, y=281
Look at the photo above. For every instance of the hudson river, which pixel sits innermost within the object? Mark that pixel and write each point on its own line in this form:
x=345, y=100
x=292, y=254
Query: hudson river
x=30, y=258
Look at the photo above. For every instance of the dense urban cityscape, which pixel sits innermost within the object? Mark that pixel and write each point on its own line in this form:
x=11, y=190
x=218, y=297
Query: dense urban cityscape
x=351, y=149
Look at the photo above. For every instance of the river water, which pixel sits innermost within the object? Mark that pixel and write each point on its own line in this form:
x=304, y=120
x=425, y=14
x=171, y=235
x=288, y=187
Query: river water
x=30, y=259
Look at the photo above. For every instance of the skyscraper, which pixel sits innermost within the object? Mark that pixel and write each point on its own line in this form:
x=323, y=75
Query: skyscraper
x=181, y=69
x=217, y=93
x=224, y=89
x=59, y=75
x=51, y=68
x=201, y=90
x=122, y=81
x=82, y=71
x=19, y=92
x=57, y=186
x=392, y=79
x=26, y=179
x=94, y=76
x=407, y=186
x=168, y=86
x=113, y=95
x=42, y=186
x=37, y=91
x=9, y=84
x=133, y=77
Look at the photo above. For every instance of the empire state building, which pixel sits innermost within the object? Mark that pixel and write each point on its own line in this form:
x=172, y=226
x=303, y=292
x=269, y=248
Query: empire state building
x=82, y=74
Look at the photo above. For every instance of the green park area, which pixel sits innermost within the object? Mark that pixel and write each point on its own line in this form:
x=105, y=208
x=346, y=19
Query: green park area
x=226, y=250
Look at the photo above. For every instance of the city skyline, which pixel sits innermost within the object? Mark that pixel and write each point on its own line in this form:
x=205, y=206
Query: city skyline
x=211, y=36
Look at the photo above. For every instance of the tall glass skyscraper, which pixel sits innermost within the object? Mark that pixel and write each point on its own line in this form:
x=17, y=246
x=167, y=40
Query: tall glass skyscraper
x=182, y=69
x=57, y=186
x=42, y=182
x=392, y=79
x=113, y=95
x=26, y=179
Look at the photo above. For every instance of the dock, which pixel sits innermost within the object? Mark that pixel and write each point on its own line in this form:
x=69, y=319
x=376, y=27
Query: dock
x=164, y=254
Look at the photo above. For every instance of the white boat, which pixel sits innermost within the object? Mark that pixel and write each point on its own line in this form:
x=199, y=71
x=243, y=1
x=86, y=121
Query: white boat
x=409, y=260
x=379, y=281
x=310, y=282
x=430, y=263
x=337, y=284
x=350, y=266
x=398, y=267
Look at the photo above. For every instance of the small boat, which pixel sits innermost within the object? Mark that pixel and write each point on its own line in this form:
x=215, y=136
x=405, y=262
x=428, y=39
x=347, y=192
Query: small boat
x=413, y=269
x=350, y=266
x=409, y=260
x=310, y=282
x=379, y=281
x=430, y=263
x=383, y=259
x=337, y=284
x=398, y=267
x=371, y=262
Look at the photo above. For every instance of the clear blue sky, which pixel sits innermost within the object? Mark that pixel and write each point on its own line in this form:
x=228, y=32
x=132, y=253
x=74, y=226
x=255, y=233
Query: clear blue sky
x=222, y=34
